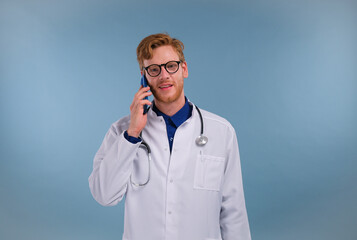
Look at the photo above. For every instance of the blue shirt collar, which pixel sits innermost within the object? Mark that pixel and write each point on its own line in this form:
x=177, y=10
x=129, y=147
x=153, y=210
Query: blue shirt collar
x=178, y=118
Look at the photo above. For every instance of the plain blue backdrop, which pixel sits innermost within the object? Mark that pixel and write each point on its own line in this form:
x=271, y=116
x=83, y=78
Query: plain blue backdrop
x=284, y=73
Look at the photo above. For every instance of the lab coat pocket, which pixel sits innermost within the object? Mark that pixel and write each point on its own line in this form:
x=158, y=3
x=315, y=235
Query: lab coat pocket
x=209, y=172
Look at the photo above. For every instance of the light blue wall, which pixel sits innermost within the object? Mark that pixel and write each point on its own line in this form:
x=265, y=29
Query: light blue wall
x=284, y=73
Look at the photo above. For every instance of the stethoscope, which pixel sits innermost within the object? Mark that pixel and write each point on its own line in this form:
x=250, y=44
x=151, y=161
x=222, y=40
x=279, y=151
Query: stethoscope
x=201, y=140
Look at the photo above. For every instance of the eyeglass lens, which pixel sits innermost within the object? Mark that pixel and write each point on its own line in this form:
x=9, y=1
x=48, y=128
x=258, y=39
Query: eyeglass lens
x=155, y=69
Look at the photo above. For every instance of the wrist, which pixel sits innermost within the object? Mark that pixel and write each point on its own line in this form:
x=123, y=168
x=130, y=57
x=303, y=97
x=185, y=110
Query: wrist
x=133, y=133
x=131, y=139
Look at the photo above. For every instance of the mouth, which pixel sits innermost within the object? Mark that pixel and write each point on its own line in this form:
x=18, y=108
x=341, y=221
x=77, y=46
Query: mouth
x=165, y=86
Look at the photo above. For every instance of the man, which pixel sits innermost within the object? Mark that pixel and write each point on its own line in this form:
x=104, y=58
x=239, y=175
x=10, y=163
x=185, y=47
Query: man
x=186, y=190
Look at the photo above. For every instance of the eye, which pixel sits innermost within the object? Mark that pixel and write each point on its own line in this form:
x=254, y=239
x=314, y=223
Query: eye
x=154, y=69
x=171, y=66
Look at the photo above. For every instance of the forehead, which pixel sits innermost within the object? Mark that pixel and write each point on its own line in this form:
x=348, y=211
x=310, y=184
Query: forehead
x=162, y=54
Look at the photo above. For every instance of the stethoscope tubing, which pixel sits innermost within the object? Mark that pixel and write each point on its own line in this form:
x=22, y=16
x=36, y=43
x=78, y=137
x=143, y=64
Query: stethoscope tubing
x=201, y=140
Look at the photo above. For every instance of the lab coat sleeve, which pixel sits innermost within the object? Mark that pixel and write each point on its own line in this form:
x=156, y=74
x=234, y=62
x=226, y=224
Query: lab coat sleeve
x=233, y=218
x=112, y=167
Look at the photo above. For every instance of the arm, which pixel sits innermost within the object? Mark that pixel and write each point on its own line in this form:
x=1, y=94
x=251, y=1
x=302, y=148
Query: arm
x=233, y=219
x=112, y=168
x=113, y=162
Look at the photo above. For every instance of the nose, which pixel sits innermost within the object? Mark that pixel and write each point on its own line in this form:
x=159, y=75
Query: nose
x=163, y=74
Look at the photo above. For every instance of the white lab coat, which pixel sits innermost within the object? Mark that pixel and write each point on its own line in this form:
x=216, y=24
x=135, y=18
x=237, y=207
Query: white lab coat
x=194, y=193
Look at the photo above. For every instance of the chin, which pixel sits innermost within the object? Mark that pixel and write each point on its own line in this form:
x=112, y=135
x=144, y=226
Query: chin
x=166, y=99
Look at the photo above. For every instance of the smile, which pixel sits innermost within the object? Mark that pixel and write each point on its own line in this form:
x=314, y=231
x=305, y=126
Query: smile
x=166, y=86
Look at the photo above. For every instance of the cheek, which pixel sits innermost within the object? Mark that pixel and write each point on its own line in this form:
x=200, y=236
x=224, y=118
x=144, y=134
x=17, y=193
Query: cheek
x=150, y=83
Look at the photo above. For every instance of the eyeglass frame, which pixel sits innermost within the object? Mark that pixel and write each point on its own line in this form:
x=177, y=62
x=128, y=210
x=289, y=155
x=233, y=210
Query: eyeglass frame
x=164, y=65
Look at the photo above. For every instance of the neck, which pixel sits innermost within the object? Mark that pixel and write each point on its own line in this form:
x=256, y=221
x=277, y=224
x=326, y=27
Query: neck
x=170, y=108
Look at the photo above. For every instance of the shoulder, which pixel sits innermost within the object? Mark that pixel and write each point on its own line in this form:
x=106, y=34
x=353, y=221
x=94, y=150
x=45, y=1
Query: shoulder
x=216, y=125
x=215, y=119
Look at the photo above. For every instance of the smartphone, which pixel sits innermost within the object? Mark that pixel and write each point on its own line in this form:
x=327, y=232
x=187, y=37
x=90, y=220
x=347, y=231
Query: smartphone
x=144, y=83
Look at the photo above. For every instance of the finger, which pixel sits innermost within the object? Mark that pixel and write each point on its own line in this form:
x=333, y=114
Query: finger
x=145, y=102
x=141, y=95
x=144, y=94
x=139, y=105
x=142, y=90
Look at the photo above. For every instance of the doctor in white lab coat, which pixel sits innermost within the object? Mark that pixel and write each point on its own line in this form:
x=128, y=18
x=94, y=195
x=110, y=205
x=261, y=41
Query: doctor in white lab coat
x=194, y=192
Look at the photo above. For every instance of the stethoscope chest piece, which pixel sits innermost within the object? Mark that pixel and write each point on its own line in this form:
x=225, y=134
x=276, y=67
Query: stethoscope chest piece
x=201, y=140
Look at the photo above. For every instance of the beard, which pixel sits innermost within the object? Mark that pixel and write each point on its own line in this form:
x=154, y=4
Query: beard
x=170, y=97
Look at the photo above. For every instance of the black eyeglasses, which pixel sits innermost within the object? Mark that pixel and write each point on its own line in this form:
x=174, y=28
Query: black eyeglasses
x=154, y=70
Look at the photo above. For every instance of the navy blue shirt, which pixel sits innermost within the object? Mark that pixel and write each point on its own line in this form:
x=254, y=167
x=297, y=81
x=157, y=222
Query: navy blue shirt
x=172, y=123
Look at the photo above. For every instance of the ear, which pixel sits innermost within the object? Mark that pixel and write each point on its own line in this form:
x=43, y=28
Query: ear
x=184, y=69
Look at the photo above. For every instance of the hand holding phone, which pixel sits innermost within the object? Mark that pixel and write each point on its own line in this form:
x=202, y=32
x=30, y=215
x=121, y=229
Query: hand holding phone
x=138, y=118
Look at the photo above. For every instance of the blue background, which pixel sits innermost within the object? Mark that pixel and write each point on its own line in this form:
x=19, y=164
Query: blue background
x=284, y=73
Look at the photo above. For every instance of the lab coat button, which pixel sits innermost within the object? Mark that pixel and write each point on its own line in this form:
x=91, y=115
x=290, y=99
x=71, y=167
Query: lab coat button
x=171, y=180
x=169, y=212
